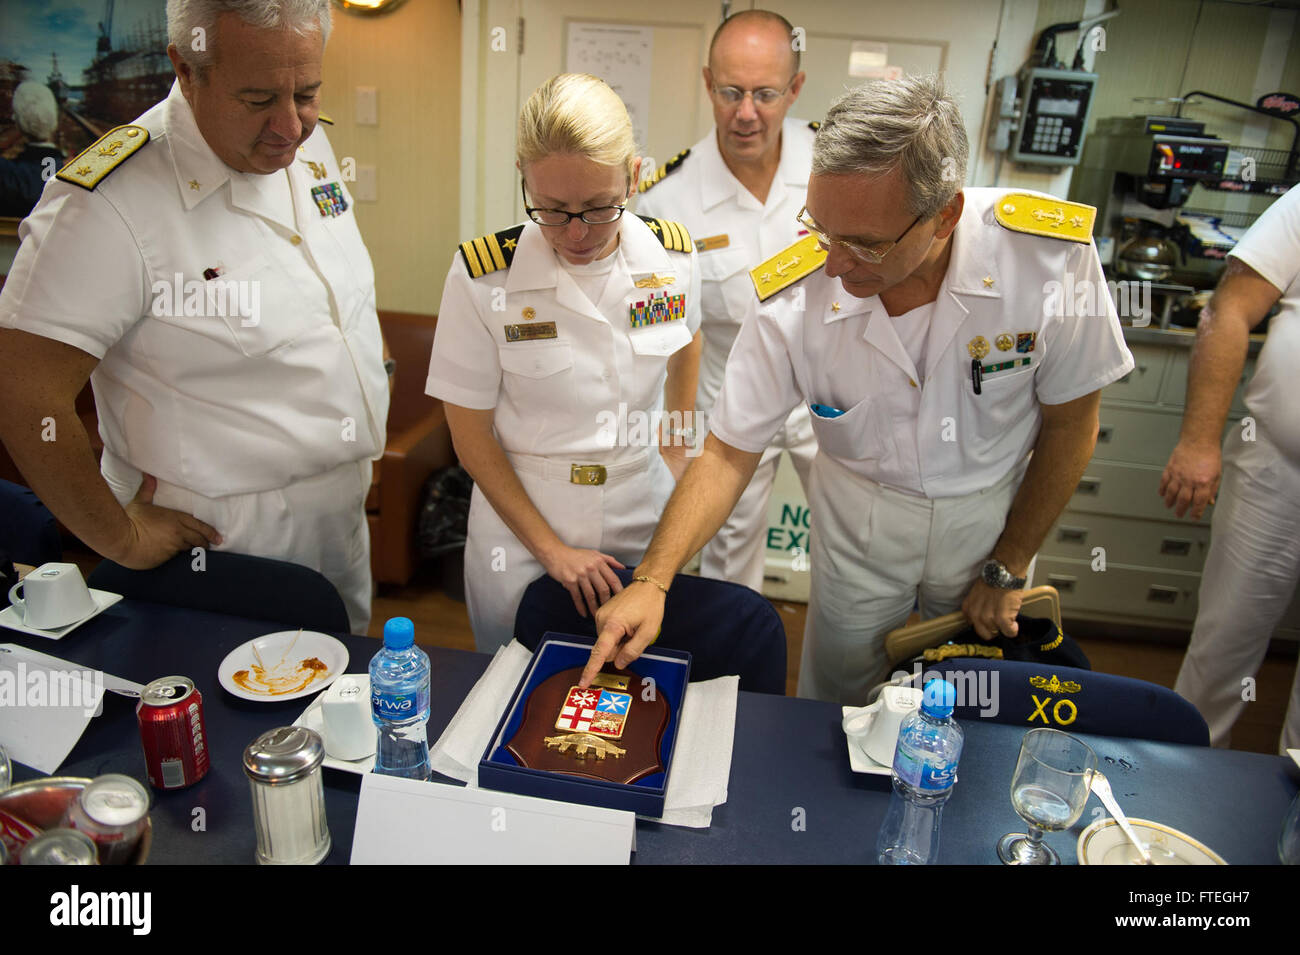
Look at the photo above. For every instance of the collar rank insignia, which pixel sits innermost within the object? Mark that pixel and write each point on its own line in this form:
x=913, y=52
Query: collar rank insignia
x=1046, y=216
x=673, y=235
x=490, y=253
x=787, y=267
x=93, y=164
x=650, y=181
x=593, y=716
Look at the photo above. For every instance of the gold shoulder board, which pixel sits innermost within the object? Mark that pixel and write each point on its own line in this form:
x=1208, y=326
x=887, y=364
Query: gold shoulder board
x=93, y=164
x=787, y=267
x=325, y=119
x=1044, y=215
x=490, y=253
x=672, y=234
x=663, y=170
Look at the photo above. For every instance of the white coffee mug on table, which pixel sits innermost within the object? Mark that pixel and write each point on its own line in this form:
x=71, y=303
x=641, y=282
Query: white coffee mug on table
x=875, y=727
x=54, y=595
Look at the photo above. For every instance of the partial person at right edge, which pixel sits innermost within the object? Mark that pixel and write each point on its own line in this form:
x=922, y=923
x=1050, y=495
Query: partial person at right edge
x=1253, y=566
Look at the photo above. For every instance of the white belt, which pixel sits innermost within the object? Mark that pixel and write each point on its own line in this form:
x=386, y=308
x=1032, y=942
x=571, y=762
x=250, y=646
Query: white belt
x=578, y=472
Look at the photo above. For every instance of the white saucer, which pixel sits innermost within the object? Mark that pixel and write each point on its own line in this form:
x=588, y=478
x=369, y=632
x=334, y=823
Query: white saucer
x=859, y=761
x=312, y=719
x=11, y=618
x=1102, y=843
x=272, y=647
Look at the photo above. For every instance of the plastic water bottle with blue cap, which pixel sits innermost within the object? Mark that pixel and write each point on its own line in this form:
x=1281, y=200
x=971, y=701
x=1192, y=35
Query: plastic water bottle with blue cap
x=399, y=702
x=925, y=770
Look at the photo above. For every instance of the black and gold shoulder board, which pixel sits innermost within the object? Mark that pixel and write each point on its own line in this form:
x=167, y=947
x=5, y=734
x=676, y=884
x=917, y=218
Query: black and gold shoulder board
x=663, y=170
x=325, y=119
x=93, y=164
x=490, y=253
x=815, y=125
x=672, y=234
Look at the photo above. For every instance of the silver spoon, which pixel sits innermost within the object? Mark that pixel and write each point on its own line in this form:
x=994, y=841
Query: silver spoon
x=1101, y=786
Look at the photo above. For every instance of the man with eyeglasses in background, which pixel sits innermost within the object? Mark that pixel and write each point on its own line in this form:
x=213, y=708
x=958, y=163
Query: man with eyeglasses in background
x=737, y=190
x=940, y=336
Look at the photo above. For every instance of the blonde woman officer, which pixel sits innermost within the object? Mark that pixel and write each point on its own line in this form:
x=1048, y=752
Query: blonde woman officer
x=560, y=342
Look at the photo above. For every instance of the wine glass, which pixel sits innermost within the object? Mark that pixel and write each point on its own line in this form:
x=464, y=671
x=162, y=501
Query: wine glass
x=1049, y=789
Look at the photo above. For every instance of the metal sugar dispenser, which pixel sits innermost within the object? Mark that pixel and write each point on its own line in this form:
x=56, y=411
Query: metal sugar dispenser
x=284, y=773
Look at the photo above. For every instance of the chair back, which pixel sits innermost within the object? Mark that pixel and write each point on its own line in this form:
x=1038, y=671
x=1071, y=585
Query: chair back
x=238, y=584
x=727, y=628
x=1074, y=701
x=28, y=531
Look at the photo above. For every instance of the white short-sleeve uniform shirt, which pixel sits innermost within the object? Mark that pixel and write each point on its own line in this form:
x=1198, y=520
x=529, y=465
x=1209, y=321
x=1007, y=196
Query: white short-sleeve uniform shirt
x=267, y=372
x=571, y=381
x=1038, y=305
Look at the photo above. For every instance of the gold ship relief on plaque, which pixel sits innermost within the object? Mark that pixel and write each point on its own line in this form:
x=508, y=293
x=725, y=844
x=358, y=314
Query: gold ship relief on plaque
x=594, y=716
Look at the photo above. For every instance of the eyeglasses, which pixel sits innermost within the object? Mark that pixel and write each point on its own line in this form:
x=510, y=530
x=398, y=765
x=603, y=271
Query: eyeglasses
x=763, y=96
x=871, y=254
x=603, y=215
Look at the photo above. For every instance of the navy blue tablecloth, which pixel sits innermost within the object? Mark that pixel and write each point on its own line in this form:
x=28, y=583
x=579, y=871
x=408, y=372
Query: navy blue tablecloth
x=792, y=796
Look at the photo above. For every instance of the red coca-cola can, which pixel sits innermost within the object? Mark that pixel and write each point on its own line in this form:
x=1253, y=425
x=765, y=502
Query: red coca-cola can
x=172, y=731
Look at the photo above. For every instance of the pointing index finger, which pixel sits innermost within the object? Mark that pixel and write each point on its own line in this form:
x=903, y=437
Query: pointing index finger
x=604, y=649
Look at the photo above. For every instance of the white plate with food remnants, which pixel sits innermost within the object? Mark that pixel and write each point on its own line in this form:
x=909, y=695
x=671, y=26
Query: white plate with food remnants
x=283, y=665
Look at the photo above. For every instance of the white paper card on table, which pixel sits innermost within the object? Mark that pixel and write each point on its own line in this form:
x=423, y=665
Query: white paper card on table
x=45, y=705
x=409, y=822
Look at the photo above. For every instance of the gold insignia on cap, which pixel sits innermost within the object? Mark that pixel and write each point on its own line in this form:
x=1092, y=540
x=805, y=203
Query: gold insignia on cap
x=1045, y=215
x=1005, y=342
x=787, y=267
x=105, y=154
x=978, y=346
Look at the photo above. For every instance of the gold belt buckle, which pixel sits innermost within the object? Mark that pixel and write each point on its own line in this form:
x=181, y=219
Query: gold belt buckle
x=587, y=474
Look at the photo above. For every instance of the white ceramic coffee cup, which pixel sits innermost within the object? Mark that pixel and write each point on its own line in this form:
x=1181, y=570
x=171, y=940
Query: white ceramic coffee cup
x=347, y=728
x=54, y=595
x=875, y=727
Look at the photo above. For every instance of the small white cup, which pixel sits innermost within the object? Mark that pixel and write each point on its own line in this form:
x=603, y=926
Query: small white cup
x=346, y=724
x=875, y=727
x=54, y=595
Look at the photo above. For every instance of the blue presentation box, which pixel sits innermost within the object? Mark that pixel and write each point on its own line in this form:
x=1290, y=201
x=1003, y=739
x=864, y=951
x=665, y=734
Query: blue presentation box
x=670, y=670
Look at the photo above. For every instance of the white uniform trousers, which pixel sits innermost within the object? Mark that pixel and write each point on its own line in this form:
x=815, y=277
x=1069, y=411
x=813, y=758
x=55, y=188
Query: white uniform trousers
x=738, y=550
x=318, y=522
x=617, y=518
x=875, y=550
x=1249, y=577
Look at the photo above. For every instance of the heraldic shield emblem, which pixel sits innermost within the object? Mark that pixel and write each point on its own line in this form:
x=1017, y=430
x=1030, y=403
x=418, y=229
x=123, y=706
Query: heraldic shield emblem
x=604, y=731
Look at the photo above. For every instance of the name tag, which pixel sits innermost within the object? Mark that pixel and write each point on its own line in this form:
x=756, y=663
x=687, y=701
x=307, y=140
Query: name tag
x=656, y=309
x=528, y=333
x=712, y=242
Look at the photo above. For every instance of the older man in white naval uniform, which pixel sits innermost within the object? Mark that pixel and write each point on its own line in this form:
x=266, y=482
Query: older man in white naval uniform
x=205, y=265
x=951, y=346
x=738, y=190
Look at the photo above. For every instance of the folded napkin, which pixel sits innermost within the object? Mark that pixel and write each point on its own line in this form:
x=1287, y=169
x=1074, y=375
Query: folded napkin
x=701, y=760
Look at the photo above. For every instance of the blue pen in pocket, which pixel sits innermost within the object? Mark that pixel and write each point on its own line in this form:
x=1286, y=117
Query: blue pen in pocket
x=825, y=411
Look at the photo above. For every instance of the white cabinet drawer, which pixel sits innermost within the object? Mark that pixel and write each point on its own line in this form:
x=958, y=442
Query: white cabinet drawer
x=1126, y=591
x=1159, y=545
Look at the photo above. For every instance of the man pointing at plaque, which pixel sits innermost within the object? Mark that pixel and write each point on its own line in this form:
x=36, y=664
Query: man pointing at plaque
x=203, y=267
x=938, y=337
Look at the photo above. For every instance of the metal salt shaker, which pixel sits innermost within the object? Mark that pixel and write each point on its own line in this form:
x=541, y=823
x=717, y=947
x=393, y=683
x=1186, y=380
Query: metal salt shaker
x=284, y=773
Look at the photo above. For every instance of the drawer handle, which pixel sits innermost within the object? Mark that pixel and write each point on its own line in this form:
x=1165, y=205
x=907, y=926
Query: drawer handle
x=1062, y=582
x=1176, y=546
x=1089, y=486
x=1075, y=534
x=1104, y=432
x=1158, y=593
